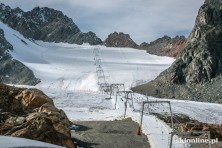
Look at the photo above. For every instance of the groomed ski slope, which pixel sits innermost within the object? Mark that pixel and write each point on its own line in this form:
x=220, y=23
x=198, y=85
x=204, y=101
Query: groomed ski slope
x=68, y=76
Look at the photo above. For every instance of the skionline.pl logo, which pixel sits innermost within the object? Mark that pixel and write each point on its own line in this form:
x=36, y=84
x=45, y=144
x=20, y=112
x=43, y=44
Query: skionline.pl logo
x=196, y=140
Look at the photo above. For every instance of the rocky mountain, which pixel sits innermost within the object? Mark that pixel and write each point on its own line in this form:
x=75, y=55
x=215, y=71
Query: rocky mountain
x=11, y=70
x=39, y=24
x=46, y=24
x=197, y=72
x=119, y=40
x=29, y=113
x=165, y=46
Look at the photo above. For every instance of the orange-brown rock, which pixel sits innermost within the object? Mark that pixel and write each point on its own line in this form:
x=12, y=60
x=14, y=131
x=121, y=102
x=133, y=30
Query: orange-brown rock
x=33, y=98
x=215, y=130
x=29, y=113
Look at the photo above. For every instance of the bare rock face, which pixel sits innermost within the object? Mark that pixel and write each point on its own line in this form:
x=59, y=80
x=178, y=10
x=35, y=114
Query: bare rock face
x=88, y=37
x=165, y=46
x=29, y=113
x=196, y=74
x=33, y=98
x=46, y=24
x=11, y=70
x=120, y=40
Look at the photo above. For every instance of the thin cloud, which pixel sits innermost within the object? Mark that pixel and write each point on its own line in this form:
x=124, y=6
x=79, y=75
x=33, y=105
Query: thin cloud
x=144, y=20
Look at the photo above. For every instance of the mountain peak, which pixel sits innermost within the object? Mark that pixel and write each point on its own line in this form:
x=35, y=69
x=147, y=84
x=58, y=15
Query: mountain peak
x=214, y=3
x=120, y=40
x=45, y=24
x=196, y=74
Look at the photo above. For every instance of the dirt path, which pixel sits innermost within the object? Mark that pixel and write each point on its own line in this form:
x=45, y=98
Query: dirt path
x=109, y=134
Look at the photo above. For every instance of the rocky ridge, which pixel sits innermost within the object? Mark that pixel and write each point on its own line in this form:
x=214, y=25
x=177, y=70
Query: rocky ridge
x=29, y=113
x=165, y=46
x=51, y=25
x=119, y=40
x=196, y=74
x=12, y=71
x=46, y=24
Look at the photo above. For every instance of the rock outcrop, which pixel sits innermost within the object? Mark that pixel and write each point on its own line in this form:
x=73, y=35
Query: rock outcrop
x=184, y=124
x=46, y=24
x=165, y=46
x=119, y=40
x=196, y=74
x=11, y=70
x=29, y=113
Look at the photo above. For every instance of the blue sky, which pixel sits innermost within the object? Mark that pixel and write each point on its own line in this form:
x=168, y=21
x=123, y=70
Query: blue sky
x=144, y=20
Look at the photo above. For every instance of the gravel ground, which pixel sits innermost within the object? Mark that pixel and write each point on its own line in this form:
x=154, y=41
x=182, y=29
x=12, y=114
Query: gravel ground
x=109, y=134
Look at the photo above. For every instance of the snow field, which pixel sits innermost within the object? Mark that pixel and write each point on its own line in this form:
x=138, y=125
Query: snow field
x=68, y=76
